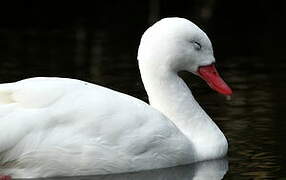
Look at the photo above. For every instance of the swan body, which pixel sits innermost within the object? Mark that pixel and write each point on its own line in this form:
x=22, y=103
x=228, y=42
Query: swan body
x=67, y=127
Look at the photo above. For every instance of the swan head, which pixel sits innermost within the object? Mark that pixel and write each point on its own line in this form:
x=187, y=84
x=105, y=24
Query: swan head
x=177, y=44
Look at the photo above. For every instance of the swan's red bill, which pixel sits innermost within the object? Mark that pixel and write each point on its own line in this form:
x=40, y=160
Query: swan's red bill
x=212, y=77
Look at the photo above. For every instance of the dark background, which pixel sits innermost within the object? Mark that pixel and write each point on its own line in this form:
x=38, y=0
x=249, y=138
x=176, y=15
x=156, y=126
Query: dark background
x=98, y=42
x=32, y=31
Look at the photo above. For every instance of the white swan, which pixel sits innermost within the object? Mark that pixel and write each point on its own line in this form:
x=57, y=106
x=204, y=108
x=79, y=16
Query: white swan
x=67, y=127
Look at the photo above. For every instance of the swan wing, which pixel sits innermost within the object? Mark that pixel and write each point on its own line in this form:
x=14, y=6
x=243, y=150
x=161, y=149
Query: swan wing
x=64, y=125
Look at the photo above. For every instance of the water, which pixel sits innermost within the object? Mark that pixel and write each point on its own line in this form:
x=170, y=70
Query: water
x=252, y=120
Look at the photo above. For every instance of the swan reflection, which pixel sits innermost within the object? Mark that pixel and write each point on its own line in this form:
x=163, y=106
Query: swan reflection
x=206, y=170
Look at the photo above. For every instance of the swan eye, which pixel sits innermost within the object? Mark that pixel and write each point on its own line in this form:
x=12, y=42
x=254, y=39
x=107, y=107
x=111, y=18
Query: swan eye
x=197, y=45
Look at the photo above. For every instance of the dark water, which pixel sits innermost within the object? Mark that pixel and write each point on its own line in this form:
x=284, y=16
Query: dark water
x=253, y=120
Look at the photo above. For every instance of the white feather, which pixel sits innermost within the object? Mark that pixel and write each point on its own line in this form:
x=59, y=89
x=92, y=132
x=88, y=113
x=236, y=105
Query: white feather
x=65, y=127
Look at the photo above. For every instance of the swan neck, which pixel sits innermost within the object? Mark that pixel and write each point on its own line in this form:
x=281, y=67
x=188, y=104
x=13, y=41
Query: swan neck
x=169, y=94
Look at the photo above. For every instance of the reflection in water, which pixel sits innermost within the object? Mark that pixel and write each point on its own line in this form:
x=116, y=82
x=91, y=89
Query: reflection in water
x=253, y=121
x=208, y=170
